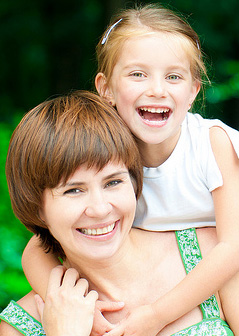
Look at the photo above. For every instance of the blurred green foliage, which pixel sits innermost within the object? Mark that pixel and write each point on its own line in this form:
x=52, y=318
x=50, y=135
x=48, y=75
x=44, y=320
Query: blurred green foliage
x=48, y=48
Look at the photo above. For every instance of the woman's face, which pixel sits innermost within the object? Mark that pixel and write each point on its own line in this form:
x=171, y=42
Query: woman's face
x=91, y=215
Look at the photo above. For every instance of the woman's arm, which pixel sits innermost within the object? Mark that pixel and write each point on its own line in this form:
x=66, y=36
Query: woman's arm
x=37, y=265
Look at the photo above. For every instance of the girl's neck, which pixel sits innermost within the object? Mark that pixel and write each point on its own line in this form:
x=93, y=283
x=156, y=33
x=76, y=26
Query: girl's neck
x=153, y=155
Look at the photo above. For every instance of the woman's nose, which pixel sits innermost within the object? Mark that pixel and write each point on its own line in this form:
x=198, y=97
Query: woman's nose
x=98, y=206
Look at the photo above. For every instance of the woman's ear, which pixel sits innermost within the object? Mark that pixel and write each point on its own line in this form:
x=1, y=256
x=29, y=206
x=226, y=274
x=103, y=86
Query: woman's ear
x=103, y=88
x=41, y=216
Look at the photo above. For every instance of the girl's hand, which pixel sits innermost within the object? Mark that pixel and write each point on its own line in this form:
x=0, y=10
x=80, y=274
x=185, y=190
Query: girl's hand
x=68, y=309
x=142, y=321
x=101, y=325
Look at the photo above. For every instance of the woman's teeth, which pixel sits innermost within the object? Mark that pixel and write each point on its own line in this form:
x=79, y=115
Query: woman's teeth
x=97, y=232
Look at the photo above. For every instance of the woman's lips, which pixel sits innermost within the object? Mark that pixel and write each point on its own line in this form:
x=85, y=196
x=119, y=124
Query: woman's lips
x=98, y=231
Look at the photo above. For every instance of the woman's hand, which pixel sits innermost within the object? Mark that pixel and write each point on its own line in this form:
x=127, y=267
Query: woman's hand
x=68, y=309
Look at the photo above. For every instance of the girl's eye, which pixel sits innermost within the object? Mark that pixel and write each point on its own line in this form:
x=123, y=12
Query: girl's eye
x=173, y=77
x=113, y=183
x=137, y=74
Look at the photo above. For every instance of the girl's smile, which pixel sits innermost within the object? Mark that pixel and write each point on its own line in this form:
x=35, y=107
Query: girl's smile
x=152, y=87
x=154, y=116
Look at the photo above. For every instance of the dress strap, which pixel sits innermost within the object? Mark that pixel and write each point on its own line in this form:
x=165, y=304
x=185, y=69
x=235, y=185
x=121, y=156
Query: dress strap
x=191, y=256
x=18, y=318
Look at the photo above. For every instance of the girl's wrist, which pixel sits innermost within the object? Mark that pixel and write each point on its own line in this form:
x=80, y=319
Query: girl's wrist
x=158, y=315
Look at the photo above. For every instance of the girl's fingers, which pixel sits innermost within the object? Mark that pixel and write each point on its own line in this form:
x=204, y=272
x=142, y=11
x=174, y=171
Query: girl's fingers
x=105, y=306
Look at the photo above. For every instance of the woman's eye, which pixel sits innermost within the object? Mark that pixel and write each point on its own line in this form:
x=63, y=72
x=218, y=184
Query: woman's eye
x=113, y=183
x=72, y=191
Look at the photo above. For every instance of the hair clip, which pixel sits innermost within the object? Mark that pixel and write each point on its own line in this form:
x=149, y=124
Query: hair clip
x=198, y=45
x=109, y=30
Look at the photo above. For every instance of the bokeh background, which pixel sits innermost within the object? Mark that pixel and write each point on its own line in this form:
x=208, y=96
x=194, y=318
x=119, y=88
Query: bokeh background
x=48, y=47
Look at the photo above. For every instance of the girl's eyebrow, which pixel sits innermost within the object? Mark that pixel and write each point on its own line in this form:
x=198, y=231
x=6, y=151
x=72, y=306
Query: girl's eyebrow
x=174, y=67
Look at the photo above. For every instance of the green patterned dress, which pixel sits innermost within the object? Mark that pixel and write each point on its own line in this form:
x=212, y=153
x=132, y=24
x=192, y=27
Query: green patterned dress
x=211, y=324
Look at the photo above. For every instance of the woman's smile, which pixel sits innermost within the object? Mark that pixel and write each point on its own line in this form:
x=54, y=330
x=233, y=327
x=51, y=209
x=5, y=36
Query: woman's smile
x=91, y=207
x=101, y=232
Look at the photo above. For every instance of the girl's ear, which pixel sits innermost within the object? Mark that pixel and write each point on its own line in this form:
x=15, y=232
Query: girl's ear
x=103, y=88
x=196, y=89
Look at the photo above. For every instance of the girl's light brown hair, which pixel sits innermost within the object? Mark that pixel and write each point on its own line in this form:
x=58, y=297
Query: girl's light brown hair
x=52, y=141
x=139, y=21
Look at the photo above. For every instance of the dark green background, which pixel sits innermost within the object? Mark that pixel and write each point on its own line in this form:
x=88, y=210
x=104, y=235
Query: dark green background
x=48, y=47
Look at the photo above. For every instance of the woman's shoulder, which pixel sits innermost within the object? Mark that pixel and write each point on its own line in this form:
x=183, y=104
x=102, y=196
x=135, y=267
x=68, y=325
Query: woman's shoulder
x=27, y=306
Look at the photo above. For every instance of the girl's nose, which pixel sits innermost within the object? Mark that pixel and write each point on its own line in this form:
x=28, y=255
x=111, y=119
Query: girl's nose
x=98, y=206
x=156, y=88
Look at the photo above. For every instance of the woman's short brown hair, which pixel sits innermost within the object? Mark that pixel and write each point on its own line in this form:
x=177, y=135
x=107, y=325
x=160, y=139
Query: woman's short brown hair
x=52, y=141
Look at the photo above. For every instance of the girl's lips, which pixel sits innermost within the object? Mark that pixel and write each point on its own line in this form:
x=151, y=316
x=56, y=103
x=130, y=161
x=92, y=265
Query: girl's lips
x=154, y=115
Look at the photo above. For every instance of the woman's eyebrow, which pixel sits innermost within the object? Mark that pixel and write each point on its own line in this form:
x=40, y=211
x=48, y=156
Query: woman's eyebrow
x=116, y=174
x=77, y=183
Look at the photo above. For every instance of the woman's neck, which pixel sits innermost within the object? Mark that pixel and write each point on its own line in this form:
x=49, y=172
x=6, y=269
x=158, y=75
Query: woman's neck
x=108, y=275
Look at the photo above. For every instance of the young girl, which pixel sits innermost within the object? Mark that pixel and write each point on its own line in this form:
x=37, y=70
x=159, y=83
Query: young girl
x=151, y=69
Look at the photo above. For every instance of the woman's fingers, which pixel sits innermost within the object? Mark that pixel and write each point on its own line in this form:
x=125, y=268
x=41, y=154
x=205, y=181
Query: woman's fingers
x=40, y=304
x=82, y=287
x=68, y=279
x=92, y=296
x=55, y=278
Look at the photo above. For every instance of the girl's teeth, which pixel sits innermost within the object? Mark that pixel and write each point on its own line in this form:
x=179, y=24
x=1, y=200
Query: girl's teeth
x=96, y=232
x=154, y=110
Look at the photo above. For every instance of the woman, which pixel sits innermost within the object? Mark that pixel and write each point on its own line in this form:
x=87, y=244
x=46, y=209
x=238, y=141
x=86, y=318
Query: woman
x=73, y=172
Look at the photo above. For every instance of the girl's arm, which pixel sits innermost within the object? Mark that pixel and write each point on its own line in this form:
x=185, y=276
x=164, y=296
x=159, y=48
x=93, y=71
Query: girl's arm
x=216, y=269
x=229, y=296
x=37, y=266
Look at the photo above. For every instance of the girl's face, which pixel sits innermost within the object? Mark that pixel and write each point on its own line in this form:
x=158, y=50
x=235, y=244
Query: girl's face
x=152, y=86
x=92, y=213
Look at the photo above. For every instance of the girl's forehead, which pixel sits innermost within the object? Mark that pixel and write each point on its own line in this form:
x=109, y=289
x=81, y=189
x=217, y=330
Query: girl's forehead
x=166, y=37
x=145, y=46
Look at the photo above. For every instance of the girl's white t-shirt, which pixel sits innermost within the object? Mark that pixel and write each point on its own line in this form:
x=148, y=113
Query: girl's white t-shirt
x=177, y=194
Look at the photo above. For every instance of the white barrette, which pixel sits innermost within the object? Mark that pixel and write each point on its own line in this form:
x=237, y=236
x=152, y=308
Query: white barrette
x=198, y=48
x=109, y=30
